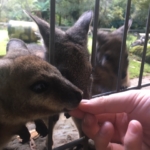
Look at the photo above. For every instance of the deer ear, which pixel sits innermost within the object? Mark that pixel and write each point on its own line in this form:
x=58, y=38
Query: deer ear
x=102, y=37
x=5, y=67
x=80, y=29
x=14, y=44
x=44, y=28
x=121, y=29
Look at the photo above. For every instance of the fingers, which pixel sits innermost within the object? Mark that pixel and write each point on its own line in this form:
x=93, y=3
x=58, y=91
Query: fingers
x=103, y=134
x=77, y=113
x=90, y=125
x=100, y=134
x=133, y=137
x=103, y=137
x=115, y=103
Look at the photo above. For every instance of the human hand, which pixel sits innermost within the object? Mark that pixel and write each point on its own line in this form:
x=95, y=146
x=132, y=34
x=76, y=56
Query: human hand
x=117, y=112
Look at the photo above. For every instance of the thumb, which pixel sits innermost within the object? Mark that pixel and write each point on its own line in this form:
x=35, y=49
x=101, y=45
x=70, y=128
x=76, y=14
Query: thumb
x=133, y=137
x=103, y=137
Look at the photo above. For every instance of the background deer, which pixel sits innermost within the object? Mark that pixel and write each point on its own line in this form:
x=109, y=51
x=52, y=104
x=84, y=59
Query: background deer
x=105, y=73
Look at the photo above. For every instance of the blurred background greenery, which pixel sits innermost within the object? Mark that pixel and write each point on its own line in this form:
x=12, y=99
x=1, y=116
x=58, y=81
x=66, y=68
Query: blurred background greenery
x=111, y=12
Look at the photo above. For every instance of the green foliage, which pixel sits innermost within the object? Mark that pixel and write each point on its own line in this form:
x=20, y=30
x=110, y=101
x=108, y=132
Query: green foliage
x=90, y=44
x=40, y=5
x=111, y=12
x=134, y=68
x=142, y=3
x=138, y=50
x=68, y=11
x=130, y=39
x=3, y=41
x=114, y=13
x=140, y=13
x=12, y=9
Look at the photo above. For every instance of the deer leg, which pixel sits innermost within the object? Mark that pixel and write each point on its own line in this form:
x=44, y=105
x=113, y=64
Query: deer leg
x=24, y=134
x=41, y=128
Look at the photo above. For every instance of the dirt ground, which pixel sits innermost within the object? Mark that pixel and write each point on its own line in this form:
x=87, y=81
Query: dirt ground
x=64, y=131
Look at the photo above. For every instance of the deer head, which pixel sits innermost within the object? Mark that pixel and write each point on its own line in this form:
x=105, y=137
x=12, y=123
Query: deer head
x=107, y=59
x=71, y=54
x=32, y=88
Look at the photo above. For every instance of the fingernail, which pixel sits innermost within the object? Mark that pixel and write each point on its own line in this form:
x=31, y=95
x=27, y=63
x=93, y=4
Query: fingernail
x=88, y=120
x=103, y=130
x=84, y=101
x=133, y=127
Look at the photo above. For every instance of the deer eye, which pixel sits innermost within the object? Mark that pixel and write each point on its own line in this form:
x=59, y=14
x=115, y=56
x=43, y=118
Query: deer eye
x=108, y=57
x=39, y=87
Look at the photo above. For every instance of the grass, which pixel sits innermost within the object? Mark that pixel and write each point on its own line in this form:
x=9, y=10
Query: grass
x=134, y=68
x=3, y=41
x=130, y=40
x=138, y=50
x=90, y=44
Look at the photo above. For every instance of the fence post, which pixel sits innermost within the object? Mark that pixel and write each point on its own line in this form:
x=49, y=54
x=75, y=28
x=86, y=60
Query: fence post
x=95, y=24
x=123, y=44
x=144, y=49
x=52, y=61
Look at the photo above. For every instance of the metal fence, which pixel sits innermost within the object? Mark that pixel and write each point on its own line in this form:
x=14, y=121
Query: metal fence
x=95, y=25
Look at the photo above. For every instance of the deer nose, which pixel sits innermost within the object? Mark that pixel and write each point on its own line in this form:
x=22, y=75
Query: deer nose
x=79, y=96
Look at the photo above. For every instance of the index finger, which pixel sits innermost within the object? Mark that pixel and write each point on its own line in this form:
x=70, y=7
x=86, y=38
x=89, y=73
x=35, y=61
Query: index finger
x=115, y=103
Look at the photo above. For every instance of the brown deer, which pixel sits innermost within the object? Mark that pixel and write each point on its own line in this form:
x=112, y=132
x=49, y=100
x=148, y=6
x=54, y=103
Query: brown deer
x=105, y=73
x=29, y=90
x=71, y=54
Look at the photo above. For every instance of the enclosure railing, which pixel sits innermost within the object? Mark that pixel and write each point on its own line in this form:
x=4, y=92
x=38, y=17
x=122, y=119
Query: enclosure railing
x=93, y=58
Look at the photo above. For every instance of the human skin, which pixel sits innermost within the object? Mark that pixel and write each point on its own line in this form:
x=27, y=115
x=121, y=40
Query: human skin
x=118, y=121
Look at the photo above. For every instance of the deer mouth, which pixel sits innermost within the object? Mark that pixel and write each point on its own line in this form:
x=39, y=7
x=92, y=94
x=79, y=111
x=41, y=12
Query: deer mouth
x=68, y=109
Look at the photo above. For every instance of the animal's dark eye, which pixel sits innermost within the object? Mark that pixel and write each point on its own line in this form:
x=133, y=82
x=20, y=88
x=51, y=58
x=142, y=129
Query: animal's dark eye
x=108, y=57
x=39, y=87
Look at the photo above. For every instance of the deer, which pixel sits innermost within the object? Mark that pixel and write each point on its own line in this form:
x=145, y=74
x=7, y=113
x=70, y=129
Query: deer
x=71, y=54
x=105, y=72
x=29, y=90
x=71, y=59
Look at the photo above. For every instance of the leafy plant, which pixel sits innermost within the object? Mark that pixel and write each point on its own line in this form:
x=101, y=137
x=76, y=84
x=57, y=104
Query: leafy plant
x=138, y=50
x=130, y=39
x=134, y=67
x=40, y=5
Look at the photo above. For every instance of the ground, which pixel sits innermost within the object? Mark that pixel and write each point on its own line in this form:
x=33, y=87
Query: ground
x=64, y=131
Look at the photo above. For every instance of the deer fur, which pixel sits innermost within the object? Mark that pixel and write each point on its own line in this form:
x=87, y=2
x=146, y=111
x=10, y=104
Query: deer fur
x=29, y=90
x=105, y=72
x=71, y=54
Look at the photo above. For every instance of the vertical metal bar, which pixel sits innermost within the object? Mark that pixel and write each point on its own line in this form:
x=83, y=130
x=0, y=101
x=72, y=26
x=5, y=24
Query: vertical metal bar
x=123, y=46
x=52, y=32
x=52, y=61
x=96, y=15
x=50, y=133
x=144, y=49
